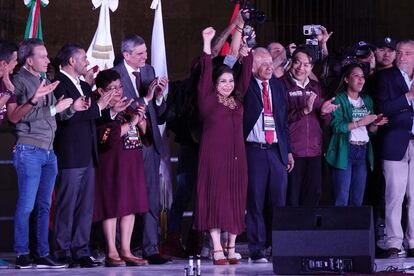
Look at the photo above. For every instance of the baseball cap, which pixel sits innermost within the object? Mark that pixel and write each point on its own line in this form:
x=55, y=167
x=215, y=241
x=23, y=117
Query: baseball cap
x=362, y=49
x=387, y=42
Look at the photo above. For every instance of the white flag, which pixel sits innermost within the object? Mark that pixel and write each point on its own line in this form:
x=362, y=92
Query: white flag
x=159, y=62
x=101, y=51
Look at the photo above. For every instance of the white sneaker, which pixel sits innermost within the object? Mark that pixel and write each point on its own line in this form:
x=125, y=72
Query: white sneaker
x=237, y=256
x=258, y=261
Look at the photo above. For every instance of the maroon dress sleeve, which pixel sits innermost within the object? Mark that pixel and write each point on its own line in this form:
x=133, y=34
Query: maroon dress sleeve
x=245, y=75
x=206, y=95
x=109, y=135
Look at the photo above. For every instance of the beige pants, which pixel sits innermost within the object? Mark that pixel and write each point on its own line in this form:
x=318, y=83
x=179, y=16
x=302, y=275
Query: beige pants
x=399, y=182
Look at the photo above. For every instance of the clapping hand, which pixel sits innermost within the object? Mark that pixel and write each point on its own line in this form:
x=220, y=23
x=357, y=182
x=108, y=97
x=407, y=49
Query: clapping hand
x=367, y=119
x=328, y=107
x=105, y=99
x=63, y=103
x=43, y=90
x=121, y=105
x=310, y=102
x=381, y=120
x=139, y=115
x=162, y=85
x=157, y=87
x=81, y=104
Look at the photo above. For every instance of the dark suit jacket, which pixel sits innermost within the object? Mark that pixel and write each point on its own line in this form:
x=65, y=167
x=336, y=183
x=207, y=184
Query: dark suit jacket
x=253, y=106
x=154, y=112
x=75, y=142
x=391, y=101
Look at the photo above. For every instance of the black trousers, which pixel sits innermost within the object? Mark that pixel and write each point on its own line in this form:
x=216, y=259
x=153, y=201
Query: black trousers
x=305, y=182
x=74, y=202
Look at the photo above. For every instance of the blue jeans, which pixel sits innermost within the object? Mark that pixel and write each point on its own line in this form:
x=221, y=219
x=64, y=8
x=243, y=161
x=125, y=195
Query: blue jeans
x=36, y=170
x=349, y=184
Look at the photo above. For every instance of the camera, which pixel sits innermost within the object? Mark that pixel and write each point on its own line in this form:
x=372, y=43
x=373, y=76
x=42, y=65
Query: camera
x=312, y=30
x=312, y=42
x=248, y=31
x=251, y=14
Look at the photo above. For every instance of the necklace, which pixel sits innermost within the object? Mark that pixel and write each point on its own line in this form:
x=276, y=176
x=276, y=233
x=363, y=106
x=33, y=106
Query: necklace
x=227, y=101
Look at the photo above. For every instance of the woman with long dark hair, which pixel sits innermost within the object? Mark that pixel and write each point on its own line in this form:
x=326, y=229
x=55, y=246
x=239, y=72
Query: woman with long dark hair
x=350, y=148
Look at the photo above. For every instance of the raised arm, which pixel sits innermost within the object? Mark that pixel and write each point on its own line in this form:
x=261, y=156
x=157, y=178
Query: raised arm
x=205, y=83
x=245, y=75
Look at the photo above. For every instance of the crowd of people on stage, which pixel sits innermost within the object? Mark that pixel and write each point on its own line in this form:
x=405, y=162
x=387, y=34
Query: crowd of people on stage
x=255, y=129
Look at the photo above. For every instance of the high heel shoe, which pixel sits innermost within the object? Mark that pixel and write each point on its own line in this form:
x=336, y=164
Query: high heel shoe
x=234, y=260
x=223, y=261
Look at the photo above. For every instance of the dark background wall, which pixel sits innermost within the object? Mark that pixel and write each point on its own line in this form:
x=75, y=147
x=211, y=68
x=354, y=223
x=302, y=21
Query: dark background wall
x=75, y=20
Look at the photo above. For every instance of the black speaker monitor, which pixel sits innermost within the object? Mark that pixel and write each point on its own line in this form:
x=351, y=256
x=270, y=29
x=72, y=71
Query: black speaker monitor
x=316, y=240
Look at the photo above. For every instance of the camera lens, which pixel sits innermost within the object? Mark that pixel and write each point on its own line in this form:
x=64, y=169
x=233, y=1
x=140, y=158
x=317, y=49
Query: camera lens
x=260, y=17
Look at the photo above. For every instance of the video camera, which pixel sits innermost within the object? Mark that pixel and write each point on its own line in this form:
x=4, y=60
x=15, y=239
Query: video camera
x=250, y=15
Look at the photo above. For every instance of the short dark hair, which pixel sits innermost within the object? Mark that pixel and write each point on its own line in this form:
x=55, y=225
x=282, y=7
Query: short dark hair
x=26, y=48
x=131, y=41
x=305, y=50
x=7, y=49
x=220, y=70
x=66, y=52
x=105, y=77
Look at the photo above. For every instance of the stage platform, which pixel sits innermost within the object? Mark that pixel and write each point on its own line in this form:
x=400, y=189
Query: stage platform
x=176, y=268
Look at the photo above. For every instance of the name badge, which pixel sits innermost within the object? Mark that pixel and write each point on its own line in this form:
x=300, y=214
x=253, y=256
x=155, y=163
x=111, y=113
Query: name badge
x=133, y=134
x=268, y=122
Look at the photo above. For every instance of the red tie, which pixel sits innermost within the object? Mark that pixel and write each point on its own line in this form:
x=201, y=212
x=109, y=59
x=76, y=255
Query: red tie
x=269, y=134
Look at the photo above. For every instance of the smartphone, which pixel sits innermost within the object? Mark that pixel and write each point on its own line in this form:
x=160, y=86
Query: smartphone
x=95, y=68
x=312, y=30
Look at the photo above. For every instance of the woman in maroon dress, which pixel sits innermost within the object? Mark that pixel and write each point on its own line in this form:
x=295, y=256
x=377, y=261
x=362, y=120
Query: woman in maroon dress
x=120, y=183
x=222, y=170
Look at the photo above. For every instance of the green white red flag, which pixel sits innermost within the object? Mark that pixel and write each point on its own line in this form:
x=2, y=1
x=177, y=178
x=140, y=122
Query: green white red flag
x=34, y=23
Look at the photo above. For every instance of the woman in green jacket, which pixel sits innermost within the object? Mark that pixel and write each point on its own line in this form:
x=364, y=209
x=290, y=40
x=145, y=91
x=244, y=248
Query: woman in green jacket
x=350, y=149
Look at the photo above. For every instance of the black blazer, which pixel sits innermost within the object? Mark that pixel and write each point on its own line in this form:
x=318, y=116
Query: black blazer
x=75, y=141
x=253, y=106
x=391, y=101
x=154, y=112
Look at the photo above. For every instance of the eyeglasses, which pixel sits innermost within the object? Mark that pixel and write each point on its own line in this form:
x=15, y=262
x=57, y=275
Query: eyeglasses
x=113, y=88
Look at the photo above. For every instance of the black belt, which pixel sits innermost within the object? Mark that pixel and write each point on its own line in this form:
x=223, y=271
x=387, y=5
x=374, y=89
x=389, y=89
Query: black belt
x=261, y=145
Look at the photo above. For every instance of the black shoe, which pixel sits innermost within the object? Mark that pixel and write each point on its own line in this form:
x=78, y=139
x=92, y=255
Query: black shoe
x=68, y=261
x=24, y=261
x=410, y=253
x=156, y=259
x=391, y=252
x=49, y=262
x=88, y=261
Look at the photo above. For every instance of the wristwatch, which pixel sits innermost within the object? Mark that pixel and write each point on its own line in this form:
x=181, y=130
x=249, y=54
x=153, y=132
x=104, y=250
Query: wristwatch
x=31, y=103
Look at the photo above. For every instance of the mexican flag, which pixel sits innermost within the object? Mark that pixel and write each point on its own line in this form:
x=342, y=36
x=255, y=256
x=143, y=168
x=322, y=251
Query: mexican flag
x=34, y=24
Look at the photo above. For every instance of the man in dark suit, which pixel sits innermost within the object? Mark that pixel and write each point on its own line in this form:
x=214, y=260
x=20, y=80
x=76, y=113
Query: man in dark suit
x=268, y=150
x=136, y=78
x=76, y=149
x=395, y=100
